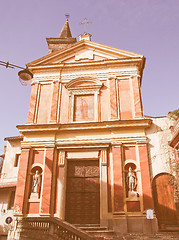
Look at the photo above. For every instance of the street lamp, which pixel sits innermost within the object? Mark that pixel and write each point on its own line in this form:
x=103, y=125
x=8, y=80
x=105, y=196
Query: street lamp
x=25, y=75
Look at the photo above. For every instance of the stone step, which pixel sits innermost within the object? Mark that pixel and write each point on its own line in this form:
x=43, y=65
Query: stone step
x=103, y=233
x=97, y=231
x=93, y=228
x=87, y=225
x=170, y=228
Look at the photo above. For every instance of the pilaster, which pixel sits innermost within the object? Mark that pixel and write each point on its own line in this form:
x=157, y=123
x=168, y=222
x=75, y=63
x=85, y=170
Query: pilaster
x=118, y=203
x=32, y=104
x=103, y=188
x=47, y=183
x=20, y=202
x=146, y=185
x=53, y=115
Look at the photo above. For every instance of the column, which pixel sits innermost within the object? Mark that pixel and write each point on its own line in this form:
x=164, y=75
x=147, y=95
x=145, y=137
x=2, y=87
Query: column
x=61, y=185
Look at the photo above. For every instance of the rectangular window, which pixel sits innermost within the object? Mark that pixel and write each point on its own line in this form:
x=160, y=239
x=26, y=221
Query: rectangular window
x=83, y=108
x=17, y=159
x=11, y=200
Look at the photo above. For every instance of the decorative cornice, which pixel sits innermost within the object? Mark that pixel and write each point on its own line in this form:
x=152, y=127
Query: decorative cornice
x=14, y=138
x=88, y=64
x=76, y=126
x=26, y=145
x=70, y=146
x=91, y=143
x=98, y=76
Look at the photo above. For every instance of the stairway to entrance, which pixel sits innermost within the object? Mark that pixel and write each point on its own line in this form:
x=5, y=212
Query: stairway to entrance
x=97, y=231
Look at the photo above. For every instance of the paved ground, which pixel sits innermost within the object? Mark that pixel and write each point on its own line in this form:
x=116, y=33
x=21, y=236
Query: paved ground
x=158, y=236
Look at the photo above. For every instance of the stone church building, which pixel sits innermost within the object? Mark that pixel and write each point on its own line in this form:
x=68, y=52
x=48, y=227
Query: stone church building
x=84, y=155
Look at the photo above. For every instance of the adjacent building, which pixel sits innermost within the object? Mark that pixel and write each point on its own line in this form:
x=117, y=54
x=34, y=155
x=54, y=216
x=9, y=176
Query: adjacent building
x=162, y=170
x=174, y=143
x=8, y=181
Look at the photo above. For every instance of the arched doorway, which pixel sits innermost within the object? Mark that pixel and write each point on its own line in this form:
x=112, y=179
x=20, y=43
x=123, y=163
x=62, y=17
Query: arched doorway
x=163, y=193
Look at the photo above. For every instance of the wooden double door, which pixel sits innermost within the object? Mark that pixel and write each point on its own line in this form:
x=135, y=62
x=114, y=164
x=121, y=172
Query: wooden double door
x=83, y=192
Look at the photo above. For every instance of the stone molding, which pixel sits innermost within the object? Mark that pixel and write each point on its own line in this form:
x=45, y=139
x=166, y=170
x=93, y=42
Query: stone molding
x=99, y=75
x=132, y=123
x=127, y=61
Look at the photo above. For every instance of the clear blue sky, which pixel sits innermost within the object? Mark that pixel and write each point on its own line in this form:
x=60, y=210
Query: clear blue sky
x=148, y=27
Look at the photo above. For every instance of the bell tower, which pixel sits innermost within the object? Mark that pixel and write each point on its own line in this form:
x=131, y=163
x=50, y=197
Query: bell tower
x=64, y=39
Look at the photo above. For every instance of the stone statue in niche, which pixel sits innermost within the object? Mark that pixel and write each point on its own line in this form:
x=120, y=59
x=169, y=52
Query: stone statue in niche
x=35, y=192
x=131, y=183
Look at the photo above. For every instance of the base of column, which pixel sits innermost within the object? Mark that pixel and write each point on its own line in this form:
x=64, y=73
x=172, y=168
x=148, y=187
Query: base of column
x=118, y=225
x=133, y=225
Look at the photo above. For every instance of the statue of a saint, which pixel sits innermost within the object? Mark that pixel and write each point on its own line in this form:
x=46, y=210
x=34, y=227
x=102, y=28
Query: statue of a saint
x=36, y=182
x=84, y=109
x=131, y=180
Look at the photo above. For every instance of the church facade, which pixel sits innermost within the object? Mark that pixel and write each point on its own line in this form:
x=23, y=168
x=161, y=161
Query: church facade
x=84, y=154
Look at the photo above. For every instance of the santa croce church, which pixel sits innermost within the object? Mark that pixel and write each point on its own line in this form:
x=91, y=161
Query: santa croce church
x=84, y=149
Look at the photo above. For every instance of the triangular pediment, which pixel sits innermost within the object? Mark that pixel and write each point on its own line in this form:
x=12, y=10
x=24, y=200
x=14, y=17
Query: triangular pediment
x=84, y=51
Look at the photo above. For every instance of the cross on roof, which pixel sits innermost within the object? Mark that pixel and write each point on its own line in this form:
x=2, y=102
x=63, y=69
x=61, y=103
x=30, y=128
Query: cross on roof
x=85, y=22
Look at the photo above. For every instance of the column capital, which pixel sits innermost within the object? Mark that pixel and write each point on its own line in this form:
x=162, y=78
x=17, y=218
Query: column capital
x=111, y=76
x=103, y=157
x=116, y=144
x=62, y=158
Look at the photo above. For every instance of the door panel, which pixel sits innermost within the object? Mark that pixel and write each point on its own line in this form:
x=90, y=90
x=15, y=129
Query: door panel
x=165, y=207
x=83, y=192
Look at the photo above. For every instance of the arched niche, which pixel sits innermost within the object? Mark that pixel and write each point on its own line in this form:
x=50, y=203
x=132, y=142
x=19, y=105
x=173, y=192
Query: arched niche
x=36, y=168
x=35, y=182
x=131, y=179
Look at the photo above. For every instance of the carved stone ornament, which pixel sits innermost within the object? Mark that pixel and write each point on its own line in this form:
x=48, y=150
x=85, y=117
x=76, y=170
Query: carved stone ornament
x=103, y=157
x=61, y=158
x=17, y=209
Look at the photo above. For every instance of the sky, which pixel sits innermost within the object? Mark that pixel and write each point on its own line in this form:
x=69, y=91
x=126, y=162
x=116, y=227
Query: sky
x=147, y=27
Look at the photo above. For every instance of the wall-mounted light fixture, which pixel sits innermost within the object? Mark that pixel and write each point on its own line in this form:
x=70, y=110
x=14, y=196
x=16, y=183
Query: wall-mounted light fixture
x=25, y=75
